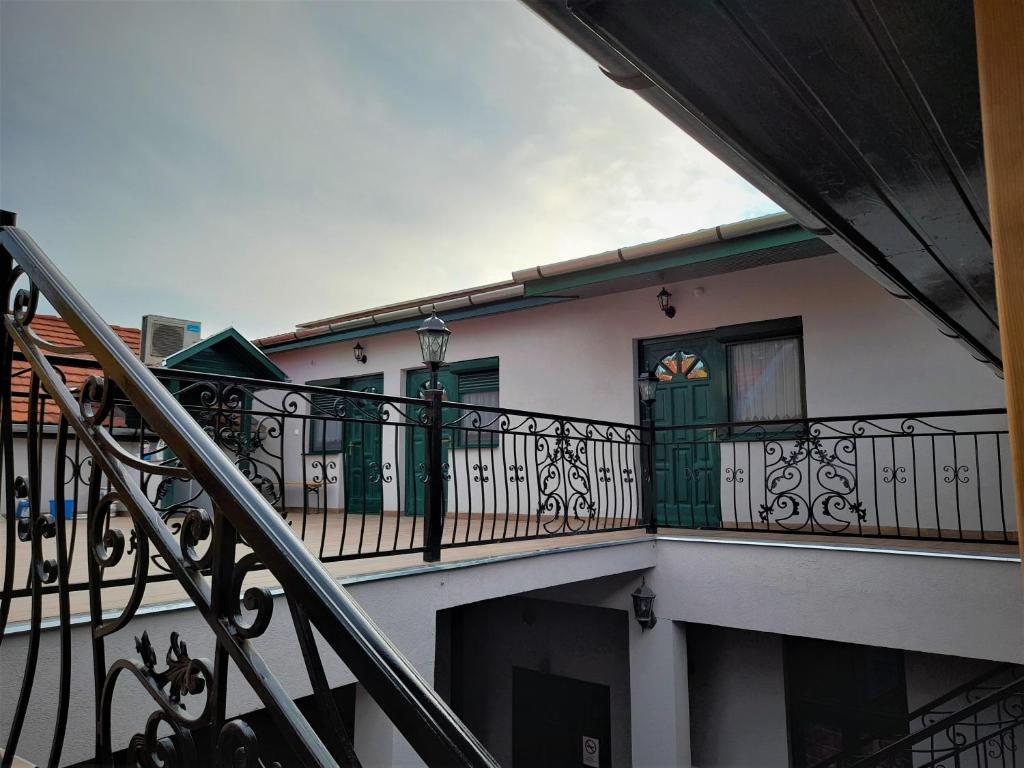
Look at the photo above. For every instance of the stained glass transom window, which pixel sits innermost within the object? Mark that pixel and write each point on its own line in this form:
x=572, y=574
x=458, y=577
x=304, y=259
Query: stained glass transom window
x=682, y=365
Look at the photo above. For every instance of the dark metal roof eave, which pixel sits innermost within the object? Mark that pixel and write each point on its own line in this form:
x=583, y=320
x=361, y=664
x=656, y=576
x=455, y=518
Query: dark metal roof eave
x=626, y=73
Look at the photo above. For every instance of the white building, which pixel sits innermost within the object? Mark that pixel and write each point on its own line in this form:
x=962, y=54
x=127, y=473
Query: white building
x=829, y=529
x=771, y=325
x=821, y=507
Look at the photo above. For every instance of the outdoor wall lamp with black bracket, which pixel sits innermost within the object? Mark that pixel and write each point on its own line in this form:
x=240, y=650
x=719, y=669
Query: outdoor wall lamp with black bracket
x=643, y=606
x=665, y=302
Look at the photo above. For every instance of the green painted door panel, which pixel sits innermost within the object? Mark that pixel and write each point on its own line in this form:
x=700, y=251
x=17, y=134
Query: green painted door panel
x=687, y=462
x=361, y=442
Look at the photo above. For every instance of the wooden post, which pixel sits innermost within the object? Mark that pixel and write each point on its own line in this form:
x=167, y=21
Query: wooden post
x=999, y=26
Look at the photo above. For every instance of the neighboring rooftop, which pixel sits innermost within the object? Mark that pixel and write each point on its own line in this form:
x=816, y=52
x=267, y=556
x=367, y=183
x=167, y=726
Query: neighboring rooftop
x=56, y=331
x=227, y=352
x=716, y=250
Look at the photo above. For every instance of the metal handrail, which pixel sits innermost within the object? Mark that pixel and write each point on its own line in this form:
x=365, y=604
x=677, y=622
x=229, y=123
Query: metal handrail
x=842, y=758
x=1015, y=688
x=808, y=420
x=425, y=720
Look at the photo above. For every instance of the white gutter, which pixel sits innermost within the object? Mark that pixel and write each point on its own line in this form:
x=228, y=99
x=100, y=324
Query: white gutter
x=657, y=247
x=515, y=288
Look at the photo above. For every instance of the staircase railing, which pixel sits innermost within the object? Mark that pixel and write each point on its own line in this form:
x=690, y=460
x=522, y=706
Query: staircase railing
x=210, y=559
x=976, y=723
x=983, y=733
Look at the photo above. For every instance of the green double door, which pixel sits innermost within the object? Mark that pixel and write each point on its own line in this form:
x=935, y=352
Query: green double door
x=361, y=447
x=692, y=391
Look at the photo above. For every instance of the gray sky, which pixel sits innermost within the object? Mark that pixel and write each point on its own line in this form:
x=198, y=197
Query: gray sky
x=265, y=163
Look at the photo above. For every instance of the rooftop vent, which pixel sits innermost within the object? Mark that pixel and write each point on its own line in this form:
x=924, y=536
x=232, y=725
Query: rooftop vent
x=163, y=336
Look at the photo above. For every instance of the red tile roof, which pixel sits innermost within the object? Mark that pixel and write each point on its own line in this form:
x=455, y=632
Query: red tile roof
x=56, y=331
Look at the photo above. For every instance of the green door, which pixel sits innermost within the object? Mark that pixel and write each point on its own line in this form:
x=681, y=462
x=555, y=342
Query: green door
x=361, y=441
x=691, y=392
x=416, y=384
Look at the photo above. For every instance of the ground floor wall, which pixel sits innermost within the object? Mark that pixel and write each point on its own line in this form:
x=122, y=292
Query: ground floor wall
x=737, y=698
x=568, y=612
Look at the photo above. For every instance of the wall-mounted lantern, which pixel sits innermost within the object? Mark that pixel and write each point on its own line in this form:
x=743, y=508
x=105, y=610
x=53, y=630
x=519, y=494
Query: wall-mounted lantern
x=665, y=303
x=647, y=383
x=359, y=353
x=643, y=606
x=433, y=335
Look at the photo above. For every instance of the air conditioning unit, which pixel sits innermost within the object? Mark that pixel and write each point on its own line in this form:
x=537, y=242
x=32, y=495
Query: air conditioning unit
x=163, y=336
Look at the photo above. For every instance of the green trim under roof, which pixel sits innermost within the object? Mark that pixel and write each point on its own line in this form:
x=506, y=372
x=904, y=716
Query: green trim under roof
x=399, y=325
x=236, y=356
x=683, y=257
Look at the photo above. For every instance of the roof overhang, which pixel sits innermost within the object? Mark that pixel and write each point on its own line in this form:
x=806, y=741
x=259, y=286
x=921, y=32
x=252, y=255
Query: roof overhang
x=716, y=255
x=316, y=337
x=861, y=119
x=715, y=250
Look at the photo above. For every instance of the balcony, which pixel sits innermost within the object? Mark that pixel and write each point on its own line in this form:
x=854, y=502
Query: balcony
x=351, y=475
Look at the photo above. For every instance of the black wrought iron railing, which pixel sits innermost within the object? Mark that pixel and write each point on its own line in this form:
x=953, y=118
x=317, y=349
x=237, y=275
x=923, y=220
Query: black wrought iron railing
x=209, y=555
x=969, y=736
x=352, y=474
x=933, y=476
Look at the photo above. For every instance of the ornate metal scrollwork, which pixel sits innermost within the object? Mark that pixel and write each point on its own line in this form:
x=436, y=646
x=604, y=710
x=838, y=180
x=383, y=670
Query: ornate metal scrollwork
x=563, y=481
x=238, y=747
x=734, y=474
x=182, y=676
x=959, y=474
x=256, y=600
x=792, y=500
x=894, y=475
x=196, y=527
x=379, y=472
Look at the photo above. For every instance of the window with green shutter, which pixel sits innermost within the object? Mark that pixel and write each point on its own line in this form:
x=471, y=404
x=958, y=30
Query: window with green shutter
x=325, y=432
x=479, y=388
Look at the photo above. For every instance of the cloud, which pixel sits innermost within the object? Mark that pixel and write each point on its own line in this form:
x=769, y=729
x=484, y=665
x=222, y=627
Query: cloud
x=264, y=164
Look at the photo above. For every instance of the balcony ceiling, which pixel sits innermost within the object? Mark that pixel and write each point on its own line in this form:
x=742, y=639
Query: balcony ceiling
x=860, y=117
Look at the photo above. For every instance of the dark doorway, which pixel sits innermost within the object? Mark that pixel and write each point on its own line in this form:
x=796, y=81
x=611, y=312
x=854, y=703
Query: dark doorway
x=559, y=722
x=843, y=698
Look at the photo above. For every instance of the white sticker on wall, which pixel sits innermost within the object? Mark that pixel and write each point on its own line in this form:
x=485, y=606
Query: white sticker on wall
x=591, y=752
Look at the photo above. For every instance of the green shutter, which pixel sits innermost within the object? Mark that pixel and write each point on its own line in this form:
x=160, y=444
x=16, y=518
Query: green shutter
x=322, y=405
x=482, y=381
x=324, y=431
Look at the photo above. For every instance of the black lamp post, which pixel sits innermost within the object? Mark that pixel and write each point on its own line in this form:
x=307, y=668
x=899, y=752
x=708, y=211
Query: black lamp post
x=643, y=606
x=647, y=384
x=359, y=353
x=665, y=303
x=433, y=335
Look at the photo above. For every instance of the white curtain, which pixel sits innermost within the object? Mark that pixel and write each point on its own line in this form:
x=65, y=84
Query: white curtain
x=486, y=399
x=765, y=380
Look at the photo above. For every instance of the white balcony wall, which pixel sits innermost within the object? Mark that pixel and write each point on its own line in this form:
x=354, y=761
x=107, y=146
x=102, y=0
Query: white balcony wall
x=76, y=469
